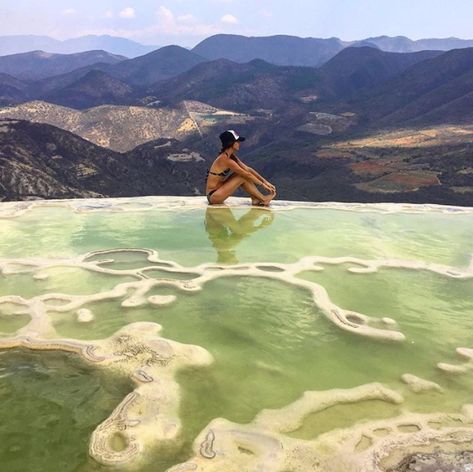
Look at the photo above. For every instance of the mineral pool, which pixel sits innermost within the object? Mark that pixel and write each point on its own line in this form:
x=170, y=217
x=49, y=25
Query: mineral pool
x=157, y=333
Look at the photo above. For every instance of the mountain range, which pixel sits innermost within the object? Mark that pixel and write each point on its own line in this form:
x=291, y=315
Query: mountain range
x=295, y=51
x=279, y=49
x=172, y=74
x=381, y=89
x=367, y=124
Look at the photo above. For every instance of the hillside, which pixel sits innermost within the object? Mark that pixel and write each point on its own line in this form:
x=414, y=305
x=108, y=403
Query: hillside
x=93, y=89
x=42, y=161
x=12, y=90
x=434, y=90
x=122, y=128
x=429, y=165
x=426, y=165
x=241, y=87
x=355, y=68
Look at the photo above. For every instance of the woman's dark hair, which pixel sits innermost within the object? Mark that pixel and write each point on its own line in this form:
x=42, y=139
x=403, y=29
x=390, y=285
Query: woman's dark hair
x=225, y=148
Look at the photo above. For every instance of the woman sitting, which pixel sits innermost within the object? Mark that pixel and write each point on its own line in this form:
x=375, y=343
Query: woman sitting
x=228, y=173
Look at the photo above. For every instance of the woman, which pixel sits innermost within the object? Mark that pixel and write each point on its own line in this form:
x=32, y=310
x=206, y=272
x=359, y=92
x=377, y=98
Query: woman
x=221, y=182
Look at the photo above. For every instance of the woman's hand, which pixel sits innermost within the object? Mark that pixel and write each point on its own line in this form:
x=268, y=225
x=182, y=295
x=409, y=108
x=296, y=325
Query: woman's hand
x=269, y=186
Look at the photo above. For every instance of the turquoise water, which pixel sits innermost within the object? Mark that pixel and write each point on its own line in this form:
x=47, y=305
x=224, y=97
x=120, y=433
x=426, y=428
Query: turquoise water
x=269, y=341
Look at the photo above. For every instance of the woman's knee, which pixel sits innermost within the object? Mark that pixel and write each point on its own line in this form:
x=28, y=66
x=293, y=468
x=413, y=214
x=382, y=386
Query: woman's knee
x=244, y=180
x=240, y=179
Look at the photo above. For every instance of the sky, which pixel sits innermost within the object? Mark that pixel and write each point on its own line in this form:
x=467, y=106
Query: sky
x=187, y=22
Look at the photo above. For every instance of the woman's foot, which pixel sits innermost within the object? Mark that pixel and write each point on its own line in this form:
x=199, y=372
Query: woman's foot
x=256, y=202
x=267, y=198
x=264, y=202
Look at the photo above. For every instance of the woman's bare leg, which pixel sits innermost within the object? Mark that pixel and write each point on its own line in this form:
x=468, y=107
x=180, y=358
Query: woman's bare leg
x=250, y=188
x=230, y=186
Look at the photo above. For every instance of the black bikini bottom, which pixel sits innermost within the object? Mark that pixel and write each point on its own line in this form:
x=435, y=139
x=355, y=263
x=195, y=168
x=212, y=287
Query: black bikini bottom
x=210, y=194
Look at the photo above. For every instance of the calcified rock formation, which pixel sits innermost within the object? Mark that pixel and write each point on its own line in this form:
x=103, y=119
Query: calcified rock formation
x=418, y=385
x=373, y=446
x=148, y=416
x=459, y=368
x=348, y=320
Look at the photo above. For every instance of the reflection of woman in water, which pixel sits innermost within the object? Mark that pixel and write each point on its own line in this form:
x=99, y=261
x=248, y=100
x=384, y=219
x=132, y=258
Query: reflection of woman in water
x=225, y=231
x=221, y=182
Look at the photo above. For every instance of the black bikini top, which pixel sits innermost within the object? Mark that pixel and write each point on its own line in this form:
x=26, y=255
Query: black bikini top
x=226, y=171
x=220, y=174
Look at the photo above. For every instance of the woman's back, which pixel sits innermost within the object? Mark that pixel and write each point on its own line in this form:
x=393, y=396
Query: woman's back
x=218, y=171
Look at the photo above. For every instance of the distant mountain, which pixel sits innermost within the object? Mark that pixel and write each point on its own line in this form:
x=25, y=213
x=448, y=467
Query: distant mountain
x=25, y=43
x=356, y=67
x=240, y=87
x=158, y=65
x=42, y=161
x=39, y=64
x=120, y=128
x=313, y=52
x=280, y=50
x=404, y=44
x=433, y=91
x=93, y=89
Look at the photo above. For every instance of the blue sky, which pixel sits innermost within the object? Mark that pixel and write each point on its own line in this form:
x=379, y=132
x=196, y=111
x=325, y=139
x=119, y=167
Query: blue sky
x=186, y=22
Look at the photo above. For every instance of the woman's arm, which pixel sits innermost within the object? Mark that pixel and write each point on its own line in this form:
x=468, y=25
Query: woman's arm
x=236, y=166
x=253, y=171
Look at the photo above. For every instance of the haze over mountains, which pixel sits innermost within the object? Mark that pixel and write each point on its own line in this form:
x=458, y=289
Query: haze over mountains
x=38, y=65
x=412, y=111
x=14, y=44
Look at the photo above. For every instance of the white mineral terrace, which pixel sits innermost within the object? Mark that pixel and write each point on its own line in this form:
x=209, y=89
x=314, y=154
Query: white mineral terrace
x=149, y=415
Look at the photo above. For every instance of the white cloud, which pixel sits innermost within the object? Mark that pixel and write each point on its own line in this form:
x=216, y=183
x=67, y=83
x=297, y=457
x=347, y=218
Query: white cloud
x=229, y=19
x=168, y=27
x=169, y=24
x=69, y=11
x=127, y=13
